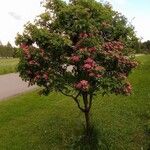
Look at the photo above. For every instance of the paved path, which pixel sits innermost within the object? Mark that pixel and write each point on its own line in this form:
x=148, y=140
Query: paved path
x=11, y=84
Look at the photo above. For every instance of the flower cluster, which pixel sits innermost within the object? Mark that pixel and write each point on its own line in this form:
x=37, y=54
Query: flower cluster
x=33, y=62
x=127, y=88
x=74, y=59
x=113, y=46
x=121, y=76
x=45, y=76
x=127, y=62
x=89, y=50
x=92, y=49
x=85, y=35
x=89, y=64
x=82, y=85
x=39, y=75
x=25, y=48
x=26, y=51
x=92, y=68
x=29, y=53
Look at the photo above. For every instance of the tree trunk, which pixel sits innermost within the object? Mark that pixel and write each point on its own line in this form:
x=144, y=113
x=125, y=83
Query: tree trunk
x=87, y=124
x=87, y=115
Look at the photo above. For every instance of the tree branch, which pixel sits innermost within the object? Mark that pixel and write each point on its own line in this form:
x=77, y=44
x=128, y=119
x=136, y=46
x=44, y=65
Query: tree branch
x=78, y=95
x=75, y=98
x=78, y=104
x=66, y=94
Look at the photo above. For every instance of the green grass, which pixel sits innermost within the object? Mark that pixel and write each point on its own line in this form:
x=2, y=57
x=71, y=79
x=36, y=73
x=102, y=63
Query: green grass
x=8, y=65
x=30, y=122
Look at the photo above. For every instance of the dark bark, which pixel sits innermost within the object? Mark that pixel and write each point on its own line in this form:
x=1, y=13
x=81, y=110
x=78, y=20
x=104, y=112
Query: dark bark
x=87, y=124
x=75, y=98
x=87, y=106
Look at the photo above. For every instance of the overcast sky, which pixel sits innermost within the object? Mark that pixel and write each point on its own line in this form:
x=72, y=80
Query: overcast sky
x=15, y=13
x=138, y=13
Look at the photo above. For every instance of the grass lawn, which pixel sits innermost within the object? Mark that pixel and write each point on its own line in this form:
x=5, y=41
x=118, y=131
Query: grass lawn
x=30, y=122
x=8, y=65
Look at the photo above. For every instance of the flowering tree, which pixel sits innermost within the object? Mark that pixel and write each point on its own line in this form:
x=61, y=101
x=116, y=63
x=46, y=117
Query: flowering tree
x=77, y=49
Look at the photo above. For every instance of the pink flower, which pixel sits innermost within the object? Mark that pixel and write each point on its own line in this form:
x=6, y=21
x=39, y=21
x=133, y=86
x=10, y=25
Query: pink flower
x=28, y=56
x=33, y=62
x=92, y=49
x=24, y=46
x=45, y=76
x=82, y=49
x=121, y=76
x=127, y=88
x=89, y=64
x=99, y=68
x=113, y=46
x=74, y=59
x=37, y=77
x=89, y=61
x=25, y=49
x=84, y=82
x=98, y=76
x=82, y=85
x=78, y=85
x=87, y=67
x=91, y=74
x=83, y=35
x=90, y=34
x=85, y=85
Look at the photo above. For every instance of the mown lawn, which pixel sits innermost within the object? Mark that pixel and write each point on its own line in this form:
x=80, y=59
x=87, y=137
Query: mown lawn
x=8, y=65
x=30, y=122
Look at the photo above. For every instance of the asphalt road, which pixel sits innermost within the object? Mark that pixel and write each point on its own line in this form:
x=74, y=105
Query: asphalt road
x=11, y=85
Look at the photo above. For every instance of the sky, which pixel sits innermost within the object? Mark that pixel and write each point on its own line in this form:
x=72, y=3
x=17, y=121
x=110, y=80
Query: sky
x=15, y=13
x=138, y=13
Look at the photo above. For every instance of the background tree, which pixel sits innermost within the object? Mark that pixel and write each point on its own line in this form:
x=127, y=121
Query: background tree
x=8, y=50
x=86, y=35
x=146, y=46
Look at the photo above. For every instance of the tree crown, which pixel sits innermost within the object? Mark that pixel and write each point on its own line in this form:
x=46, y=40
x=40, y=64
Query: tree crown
x=82, y=46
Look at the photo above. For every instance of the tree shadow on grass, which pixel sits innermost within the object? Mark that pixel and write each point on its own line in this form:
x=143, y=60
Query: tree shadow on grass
x=95, y=142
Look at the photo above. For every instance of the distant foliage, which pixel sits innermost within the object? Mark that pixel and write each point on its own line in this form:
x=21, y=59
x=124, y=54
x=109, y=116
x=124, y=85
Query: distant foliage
x=7, y=51
x=146, y=46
